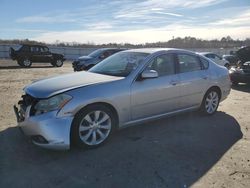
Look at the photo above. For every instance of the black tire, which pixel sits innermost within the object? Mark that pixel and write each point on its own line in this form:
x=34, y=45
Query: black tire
x=20, y=63
x=25, y=62
x=234, y=83
x=79, y=120
x=227, y=66
x=88, y=67
x=57, y=63
x=205, y=104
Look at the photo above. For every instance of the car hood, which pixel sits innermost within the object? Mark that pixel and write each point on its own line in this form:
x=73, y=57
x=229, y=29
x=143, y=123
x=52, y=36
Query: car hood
x=48, y=87
x=84, y=58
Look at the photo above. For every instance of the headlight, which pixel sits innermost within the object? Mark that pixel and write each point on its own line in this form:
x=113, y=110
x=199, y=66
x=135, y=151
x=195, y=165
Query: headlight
x=53, y=103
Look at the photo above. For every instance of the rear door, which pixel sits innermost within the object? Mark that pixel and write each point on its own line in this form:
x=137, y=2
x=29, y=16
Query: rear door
x=193, y=80
x=46, y=56
x=35, y=52
x=156, y=96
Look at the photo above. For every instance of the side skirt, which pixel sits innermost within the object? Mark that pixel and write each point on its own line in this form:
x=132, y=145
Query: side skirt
x=156, y=117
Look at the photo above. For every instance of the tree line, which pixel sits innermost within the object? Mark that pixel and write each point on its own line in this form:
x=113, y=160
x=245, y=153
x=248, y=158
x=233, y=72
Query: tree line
x=186, y=42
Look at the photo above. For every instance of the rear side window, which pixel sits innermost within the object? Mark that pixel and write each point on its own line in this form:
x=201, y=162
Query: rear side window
x=204, y=63
x=210, y=56
x=188, y=63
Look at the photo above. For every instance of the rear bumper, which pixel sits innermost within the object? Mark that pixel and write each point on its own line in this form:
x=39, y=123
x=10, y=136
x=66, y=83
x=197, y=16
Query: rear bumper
x=242, y=78
x=47, y=130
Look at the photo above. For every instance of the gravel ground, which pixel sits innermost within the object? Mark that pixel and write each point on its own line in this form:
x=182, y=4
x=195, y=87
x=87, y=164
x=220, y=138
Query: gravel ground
x=187, y=150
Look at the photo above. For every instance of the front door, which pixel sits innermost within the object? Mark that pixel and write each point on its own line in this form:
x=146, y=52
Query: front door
x=159, y=95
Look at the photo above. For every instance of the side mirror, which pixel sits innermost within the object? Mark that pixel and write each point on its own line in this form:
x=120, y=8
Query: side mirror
x=149, y=74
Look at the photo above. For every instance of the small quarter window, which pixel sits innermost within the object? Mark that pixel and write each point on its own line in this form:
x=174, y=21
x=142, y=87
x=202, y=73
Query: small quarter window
x=205, y=63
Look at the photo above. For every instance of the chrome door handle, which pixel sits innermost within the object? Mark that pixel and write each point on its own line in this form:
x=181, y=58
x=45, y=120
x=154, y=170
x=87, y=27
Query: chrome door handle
x=205, y=77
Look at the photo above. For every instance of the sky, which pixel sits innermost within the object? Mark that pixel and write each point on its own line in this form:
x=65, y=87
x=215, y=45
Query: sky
x=123, y=21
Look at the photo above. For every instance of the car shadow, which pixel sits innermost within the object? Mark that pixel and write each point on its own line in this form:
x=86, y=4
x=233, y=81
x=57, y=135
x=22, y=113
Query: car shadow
x=32, y=67
x=242, y=87
x=171, y=152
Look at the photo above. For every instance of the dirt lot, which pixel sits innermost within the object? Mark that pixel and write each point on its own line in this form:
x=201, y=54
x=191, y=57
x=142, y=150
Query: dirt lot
x=187, y=150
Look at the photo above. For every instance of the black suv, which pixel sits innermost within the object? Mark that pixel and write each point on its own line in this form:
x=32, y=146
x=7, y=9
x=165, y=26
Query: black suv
x=28, y=54
x=86, y=62
x=241, y=73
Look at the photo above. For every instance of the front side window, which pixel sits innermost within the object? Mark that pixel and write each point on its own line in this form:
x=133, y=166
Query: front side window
x=35, y=49
x=120, y=64
x=188, y=63
x=163, y=64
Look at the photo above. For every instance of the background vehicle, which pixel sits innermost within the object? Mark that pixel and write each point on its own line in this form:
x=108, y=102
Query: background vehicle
x=217, y=59
x=232, y=59
x=129, y=87
x=241, y=73
x=28, y=54
x=86, y=62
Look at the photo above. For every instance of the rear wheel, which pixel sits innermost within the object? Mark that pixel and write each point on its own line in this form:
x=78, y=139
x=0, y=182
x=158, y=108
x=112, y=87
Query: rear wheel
x=210, y=102
x=24, y=62
x=92, y=126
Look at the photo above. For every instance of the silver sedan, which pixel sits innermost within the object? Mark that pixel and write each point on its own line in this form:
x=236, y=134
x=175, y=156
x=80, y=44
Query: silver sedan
x=127, y=88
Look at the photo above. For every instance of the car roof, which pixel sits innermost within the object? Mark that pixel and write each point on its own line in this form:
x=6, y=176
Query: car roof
x=34, y=45
x=153, y=50
x=112, y=49
x=205, y=53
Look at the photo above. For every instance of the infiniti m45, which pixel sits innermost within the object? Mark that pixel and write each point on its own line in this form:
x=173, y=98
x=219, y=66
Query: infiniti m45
x=127, y=88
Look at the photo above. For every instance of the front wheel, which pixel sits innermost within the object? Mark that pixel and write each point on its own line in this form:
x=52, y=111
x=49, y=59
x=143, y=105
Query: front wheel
x=57, y=63
x=92, y=126
x=210, y=102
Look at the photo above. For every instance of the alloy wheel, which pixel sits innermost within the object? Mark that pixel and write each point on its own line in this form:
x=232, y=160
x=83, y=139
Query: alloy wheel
x=95, y=127
x=59, y=63
x=26, y=62
x=212, y=102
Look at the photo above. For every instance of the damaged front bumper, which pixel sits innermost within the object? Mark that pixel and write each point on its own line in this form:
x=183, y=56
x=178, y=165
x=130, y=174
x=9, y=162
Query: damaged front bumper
x=45, y=130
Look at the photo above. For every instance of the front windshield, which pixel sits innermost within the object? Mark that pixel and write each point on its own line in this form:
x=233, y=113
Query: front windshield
x=96, y=53
x=120, y=64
